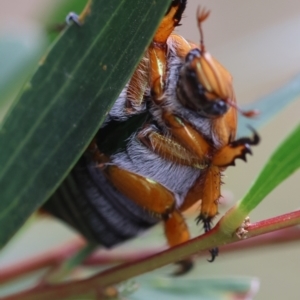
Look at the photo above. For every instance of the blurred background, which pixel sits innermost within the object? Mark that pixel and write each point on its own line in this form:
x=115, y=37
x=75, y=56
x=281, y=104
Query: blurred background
x=259, y=43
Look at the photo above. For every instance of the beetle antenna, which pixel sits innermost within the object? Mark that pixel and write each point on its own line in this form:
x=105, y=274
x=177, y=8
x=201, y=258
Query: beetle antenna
x=202, y=15
x=247, y=113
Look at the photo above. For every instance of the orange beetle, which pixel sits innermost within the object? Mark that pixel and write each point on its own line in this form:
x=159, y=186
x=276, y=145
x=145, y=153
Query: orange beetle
x=162, y=148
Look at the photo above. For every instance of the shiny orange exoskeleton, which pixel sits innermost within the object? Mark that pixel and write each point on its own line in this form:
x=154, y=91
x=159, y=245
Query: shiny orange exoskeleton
x=162, y=148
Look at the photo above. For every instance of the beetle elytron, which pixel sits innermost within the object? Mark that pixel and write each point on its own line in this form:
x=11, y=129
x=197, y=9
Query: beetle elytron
x=163, y=146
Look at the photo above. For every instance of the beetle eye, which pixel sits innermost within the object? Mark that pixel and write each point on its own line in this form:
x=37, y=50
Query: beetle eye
x=204, y=85
x=214, y=108
x=193, y=95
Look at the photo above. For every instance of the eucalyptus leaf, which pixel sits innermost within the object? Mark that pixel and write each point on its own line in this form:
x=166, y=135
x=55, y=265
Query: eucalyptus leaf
x=66, y=100
x=57, y=18
x=282, y=163
x=63, y=8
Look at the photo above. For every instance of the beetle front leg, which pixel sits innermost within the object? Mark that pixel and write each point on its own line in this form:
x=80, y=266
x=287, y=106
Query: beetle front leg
x=209, y=207
x=207, y=190
x=137, y=86
x=227, y=155
x=169, y=149
x=210, y=195
x=176, y=229
x=158, y=49
x=186, y=135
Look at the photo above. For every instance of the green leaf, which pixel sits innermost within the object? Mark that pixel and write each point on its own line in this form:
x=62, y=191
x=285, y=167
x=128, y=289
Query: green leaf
x=283, y=163
x=63, y=8
x=69, y=264
x=57, y=18
x=65, y=102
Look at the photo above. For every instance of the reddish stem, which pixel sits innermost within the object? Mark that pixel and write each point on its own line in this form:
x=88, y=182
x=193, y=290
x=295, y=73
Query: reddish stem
x=48, y=259
x=279, y=237
x=128, y=270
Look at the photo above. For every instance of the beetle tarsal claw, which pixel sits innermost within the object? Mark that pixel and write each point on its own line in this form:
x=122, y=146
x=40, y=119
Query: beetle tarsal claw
x=207, y=225
x=248, y=149
x=214, y=253
x=184, y=266
x=242, y=231
x=237, y=149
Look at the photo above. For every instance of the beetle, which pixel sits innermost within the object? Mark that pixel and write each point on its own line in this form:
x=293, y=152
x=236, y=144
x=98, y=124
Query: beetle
x=163, y=146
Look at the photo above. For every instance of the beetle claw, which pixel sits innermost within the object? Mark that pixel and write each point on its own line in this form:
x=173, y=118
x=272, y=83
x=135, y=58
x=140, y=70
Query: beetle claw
x=214, y=253
x=207, y=227
x=248, y=149
x=246, y=143
x=252, y=141
x=181, y=4
x=185, y=266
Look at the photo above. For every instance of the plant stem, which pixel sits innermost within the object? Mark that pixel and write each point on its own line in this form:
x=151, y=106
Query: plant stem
x=48, y=259
x=55, y=257
x=272, y=238
x=120, y=273
x=65, y=268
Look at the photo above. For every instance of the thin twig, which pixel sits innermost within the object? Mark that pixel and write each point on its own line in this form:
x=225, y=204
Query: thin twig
x=287, y=235
x=55, y=257
x=50, y=258
x=66, y=266
x=124, y=272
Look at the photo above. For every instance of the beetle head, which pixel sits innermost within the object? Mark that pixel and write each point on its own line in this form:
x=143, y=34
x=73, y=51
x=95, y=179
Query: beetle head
x=204, y=85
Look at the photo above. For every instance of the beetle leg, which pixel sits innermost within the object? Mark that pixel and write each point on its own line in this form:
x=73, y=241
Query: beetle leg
x=210, y=194
x=207, y=189
x=186, y=135
x=185, y=266
x=137, y=86
x=169, y=149
x=210, y=197
x=194, y=194
x=145, y=192
x=158, y=48
x=177, y=232
x=214, y=252
x=227, y=155
x=176, y=229
x=170, y=21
